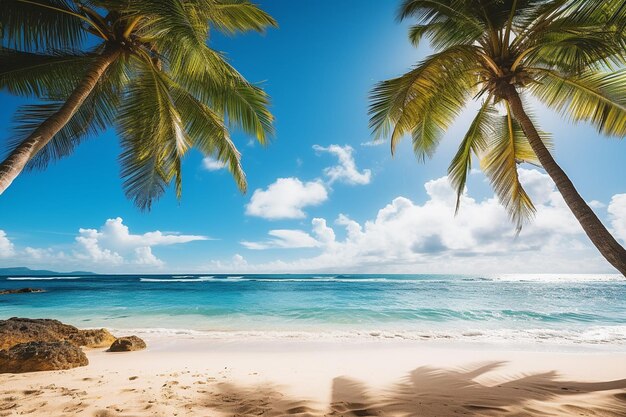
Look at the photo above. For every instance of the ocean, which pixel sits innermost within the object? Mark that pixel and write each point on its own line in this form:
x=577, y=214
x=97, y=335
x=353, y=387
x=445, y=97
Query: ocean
x=550, y=310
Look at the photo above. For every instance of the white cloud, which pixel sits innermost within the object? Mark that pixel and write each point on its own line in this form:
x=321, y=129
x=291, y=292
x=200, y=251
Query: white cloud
x=408, y=237
x=47, y=254
x=346, y=171
x=617, y=216
x=7, y=249
x=286, y=198
x=236, y=264
x=144, y=256
x=239, y=261
x=114, y=244
x=286, y=239
x=373, y=143
x=111, y=247
x=90, y=249
x=323, y=236
x=212, y=164
x=596, y=204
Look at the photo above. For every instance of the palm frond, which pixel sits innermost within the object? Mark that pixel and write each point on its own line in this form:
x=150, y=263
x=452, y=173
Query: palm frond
x=593, y=96
x=427, y=11
x=245, y=105
x=42, y=75
x=207, y=132
x=443, y=34
x=473, y=144
x=437, y=88
x=230, y=16
x=506, y=149
x=573, y=52
x=40, y=24
x=153, y=138
x=569, y=46
x=426, y=136
x=445, y=23
x=557, y=15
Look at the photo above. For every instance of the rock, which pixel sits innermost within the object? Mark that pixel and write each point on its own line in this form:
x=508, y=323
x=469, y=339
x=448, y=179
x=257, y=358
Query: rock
x=93, y=338
x=41, y=356
x=21, y=291
x=127, y=344
x=21, y=330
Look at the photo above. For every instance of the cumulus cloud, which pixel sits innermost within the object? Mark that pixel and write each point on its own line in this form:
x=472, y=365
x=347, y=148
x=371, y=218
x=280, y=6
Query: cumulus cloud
x=405, y=236
x=286, y=198
x=144, y=256
x=109, y=247
x=234, y=265
x=44, y=254
x=212, y=164
x=7, y=249
x=322, y=236
x=114, y=244
x=617, y=216
x=346, y=171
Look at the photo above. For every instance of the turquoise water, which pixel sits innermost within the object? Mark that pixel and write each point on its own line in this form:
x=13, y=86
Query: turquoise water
x=561, y=309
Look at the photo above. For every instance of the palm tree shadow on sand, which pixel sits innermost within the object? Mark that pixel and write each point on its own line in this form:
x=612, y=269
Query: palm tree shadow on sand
x=429, y=392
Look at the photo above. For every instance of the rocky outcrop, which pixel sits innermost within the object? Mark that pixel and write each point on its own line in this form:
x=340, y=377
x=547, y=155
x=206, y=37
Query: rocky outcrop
x=21, y=330
x=21, y=291
x=127, y=344
x=41, y=356
x=93, y=338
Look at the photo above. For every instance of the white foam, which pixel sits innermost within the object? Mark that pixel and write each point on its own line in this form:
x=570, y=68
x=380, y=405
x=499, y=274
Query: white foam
x=197, y=279
x=38, y=278
x=593, y=336
x=556, y=278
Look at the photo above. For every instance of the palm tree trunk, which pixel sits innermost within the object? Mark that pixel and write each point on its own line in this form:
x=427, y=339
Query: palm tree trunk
x=11, y=167
x=593, y=227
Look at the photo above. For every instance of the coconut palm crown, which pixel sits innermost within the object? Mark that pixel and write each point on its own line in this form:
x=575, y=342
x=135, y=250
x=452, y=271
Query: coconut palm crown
x=142, y=66
x=568, y=54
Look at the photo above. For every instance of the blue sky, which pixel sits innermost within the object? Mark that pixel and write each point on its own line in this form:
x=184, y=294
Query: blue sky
x=311, y=211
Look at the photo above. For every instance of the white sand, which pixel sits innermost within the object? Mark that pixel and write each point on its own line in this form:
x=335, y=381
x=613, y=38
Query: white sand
x=196, y=377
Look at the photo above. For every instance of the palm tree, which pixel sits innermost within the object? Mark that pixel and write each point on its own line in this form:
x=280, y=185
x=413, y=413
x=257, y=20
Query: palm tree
x=568, y=54
x=143, y=66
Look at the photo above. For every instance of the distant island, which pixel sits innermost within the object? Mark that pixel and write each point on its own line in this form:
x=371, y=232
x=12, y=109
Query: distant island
x=24, y=271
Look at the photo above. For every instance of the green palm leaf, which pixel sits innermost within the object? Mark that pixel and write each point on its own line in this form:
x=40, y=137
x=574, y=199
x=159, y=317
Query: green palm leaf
x=153, y=138
x=436, y=89
x=207, y=133
x=244, y=104
x=41, y=75
x=232, y=16
x=40, y=24
x=508, y=147
x=474, y=143
x=595, y=97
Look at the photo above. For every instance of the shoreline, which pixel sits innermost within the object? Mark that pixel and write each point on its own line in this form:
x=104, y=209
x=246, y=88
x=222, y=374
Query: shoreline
x=472, y=340
x=185, y=377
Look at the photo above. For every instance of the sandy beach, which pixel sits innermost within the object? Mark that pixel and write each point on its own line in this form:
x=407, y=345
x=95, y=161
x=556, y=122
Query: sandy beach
x=196, y=377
